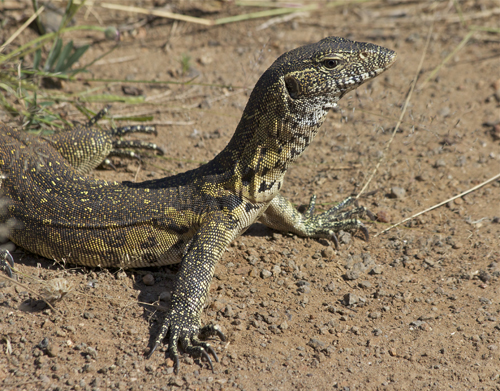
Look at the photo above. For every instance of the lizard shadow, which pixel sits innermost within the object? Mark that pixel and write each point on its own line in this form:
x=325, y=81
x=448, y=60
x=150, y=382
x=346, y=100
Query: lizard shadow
x=151, y=288
x=163, y=289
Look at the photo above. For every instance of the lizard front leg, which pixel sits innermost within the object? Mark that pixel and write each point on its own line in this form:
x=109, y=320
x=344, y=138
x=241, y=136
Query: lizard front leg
x=283, y=216
x=191, y=289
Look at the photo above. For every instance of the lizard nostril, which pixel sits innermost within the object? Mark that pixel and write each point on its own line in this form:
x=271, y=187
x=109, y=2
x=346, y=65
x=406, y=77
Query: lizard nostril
x=363, y=55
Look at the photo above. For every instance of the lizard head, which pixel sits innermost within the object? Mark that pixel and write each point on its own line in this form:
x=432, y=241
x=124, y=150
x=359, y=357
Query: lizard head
x=288, y=105
x=325, y=71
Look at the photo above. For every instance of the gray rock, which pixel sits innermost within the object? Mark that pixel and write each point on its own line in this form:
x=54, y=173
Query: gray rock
x=350, y=299
x=375, y=315
x=439, y=163
x=316, y=344
x=397, y=192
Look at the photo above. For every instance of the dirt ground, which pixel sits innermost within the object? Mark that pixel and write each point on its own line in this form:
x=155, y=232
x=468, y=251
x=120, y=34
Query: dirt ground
x=415, y=308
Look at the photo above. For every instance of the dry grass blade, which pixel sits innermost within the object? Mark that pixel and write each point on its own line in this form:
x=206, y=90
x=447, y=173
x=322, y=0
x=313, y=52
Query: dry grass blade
x=22, y=28
x=280, y=19
x=396, y=128
x=231, y=19
x=448, y=57
x=163, y=14
x=56, y=288
x=441, y=203
x=27, y=288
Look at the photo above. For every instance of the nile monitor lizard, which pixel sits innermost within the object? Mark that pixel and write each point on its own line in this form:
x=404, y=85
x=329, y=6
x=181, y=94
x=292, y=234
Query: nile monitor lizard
x=190, y=217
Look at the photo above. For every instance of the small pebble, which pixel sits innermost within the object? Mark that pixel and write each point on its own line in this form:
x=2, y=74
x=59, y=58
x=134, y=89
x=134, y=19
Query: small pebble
x=377, y=269
x=148, y=280
x=165, y=296
x=383, y=216
x=365, y=284
x=304, y=289
x=344, y=237
x=439, y=163
x=397, y=192
x=316, y=344
x=484, y=276
x=375, y=315
x=350, y=299
x=52, y=350
x=328, y=252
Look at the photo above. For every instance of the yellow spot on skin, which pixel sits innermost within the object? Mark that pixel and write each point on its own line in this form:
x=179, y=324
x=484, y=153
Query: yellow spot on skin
x=43, y=200
x=147, y=202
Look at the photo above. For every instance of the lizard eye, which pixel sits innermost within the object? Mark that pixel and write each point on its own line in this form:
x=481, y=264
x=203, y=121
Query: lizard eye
x=331, y=63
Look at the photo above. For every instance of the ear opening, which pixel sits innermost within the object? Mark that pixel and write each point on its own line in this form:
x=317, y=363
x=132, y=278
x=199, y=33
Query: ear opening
x=292, y=86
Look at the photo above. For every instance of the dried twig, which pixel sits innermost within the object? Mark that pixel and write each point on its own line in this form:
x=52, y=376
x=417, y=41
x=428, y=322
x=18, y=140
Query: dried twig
x=448, y=57
x=28, y=289
x=396, y=128
x=441, y=204
x=157, y=12
x=22, y=28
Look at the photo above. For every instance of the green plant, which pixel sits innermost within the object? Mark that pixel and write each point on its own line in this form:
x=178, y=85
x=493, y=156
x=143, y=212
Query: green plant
x=27, y=86
x=185, y=63
x=60, y=60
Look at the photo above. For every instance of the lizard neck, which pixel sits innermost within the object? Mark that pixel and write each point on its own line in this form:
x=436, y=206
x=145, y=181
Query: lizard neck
x=273, y=132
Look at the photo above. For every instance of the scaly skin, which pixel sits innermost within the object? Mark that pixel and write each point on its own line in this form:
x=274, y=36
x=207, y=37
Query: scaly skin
x=191, y=217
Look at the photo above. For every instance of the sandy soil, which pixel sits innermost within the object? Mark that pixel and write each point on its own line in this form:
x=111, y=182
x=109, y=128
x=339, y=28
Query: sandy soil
x=414, y=308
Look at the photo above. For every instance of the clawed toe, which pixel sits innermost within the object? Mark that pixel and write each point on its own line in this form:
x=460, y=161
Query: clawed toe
x=364, y=230
x=6, y=262
x=211, y=330
x=201, y=351
x=190, y=343
x=335, y=240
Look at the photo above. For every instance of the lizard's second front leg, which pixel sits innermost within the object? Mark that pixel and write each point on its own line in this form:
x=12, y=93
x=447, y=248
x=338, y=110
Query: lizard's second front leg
x=182, y=324
x=283, y=216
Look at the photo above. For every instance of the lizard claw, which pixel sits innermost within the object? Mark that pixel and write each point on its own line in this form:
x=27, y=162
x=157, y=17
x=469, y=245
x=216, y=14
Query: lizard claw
x=189, y=338
x=212, y=330
x=335, y=240
x=364, y=230
x=6, y=262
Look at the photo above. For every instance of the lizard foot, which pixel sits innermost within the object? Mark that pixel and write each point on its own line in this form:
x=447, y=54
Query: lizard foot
x=335, y=219
x=124, y=148
x=189, y=338
x=6, y=262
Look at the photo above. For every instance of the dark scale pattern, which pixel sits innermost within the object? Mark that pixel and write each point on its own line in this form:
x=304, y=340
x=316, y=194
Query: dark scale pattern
x=191, y=217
